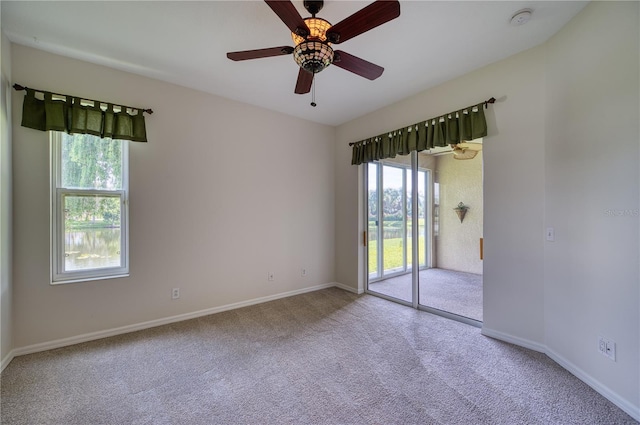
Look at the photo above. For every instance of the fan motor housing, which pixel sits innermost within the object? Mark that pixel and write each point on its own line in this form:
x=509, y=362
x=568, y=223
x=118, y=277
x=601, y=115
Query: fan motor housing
x=313, y=6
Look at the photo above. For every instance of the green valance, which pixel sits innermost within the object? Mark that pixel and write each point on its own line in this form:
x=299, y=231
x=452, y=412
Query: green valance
x=449, y=129
x=77, y=115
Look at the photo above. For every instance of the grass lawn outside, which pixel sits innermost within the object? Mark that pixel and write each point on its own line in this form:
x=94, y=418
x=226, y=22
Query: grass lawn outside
x=86, y=224
x=392, y=255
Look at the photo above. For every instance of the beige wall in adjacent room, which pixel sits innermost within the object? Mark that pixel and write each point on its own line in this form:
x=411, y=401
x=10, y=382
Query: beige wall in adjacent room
x=221, y=195
x=458, y=244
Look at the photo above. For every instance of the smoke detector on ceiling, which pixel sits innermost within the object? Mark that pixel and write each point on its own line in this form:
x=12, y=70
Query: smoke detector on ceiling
x=521, y=17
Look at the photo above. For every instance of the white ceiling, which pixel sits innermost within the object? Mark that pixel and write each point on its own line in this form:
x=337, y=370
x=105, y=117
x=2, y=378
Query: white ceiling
x=185, y=43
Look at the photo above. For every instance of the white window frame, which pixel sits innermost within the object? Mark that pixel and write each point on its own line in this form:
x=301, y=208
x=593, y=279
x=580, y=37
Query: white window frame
x=58, y=274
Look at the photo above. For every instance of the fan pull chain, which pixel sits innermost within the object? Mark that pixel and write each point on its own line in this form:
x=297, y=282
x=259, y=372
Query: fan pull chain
x=313, y=91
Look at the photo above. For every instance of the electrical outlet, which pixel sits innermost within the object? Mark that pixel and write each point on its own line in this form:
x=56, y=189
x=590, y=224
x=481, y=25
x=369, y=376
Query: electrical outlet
x=271, y=276
x=303, y=272
x=607, y=348
x=611, y=350
x=175, y=293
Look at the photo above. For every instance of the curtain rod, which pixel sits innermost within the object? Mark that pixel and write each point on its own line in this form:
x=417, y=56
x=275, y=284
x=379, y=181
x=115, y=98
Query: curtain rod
x=18, y=87
x=486, y=102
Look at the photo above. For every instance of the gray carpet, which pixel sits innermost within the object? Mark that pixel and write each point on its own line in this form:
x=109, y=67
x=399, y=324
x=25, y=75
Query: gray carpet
x=328, y=357
x=448, y=290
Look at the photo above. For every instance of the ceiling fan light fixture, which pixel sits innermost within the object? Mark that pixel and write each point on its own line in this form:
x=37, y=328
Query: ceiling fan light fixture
x=463, y=152
x=313, y=56
x=313, y=51
x=317, y=30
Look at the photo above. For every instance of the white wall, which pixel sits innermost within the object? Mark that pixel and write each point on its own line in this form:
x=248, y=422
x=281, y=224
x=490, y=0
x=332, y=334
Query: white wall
x=222, y=194
x=592, y=195
x=562, y=151
x=458, y=244
x=6, y=309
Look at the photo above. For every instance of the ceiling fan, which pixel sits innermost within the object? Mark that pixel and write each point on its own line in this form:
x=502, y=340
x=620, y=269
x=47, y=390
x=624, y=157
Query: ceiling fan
x=313, y=38
x=463, y=151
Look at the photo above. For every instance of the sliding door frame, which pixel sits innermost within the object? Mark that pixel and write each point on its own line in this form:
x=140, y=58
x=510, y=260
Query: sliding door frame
x=415, y=238
x=380, y=273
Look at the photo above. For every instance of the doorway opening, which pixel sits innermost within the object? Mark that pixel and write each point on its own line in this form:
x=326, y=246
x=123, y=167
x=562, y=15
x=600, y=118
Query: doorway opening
x=447, y=277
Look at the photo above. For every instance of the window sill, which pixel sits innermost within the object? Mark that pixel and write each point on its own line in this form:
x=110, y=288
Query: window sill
x=88, y=279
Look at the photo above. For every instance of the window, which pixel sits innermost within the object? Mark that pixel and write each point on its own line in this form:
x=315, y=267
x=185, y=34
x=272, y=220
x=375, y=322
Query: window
x=89, y=208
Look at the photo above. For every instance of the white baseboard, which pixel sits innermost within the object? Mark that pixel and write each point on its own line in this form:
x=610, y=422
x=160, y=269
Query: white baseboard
x=91, y=336
x=521, y=342
x=624, y=404
x=347, y=288
x=7, y=359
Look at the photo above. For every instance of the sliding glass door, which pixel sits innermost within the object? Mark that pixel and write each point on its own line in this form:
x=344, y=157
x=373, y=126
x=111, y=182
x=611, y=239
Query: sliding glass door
x=404, y=231
x=390, y=221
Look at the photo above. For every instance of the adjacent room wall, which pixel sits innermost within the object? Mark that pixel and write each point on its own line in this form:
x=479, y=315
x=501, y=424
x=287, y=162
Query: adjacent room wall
x=222, y=194
x=592, y=196
x=458, y=244
x=6, y=297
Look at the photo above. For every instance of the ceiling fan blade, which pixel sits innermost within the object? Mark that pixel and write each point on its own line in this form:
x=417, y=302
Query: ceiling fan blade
x=377, y=13
x=260, y=53
x=289, y=15
x=305, y=79
x=356, y=65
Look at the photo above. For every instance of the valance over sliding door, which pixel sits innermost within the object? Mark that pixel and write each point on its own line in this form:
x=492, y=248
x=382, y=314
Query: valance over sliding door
x=449, y=129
